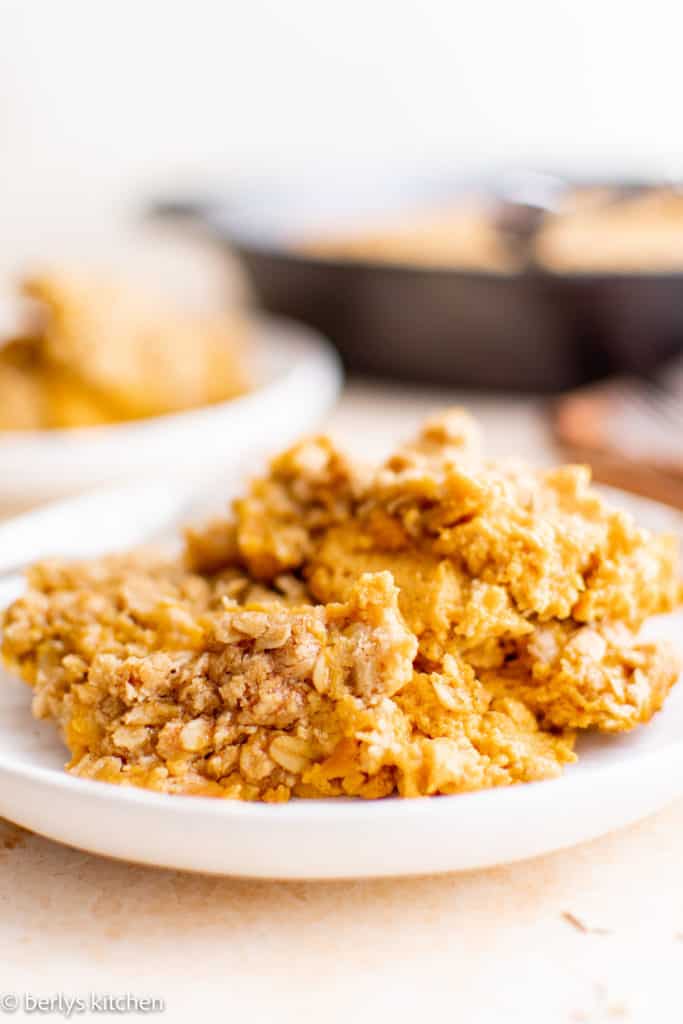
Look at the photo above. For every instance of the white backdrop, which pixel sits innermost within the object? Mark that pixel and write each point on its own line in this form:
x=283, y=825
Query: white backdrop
x=102, y=101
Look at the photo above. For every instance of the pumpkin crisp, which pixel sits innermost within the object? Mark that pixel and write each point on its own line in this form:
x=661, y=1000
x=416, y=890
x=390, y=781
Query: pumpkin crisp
x=439, y=624
x=99, y=351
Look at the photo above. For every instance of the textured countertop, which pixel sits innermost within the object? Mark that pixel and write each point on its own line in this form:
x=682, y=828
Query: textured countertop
x=591, y=934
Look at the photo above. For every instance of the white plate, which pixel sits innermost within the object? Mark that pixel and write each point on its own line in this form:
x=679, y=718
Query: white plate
x=297, y=376
x=616, y=781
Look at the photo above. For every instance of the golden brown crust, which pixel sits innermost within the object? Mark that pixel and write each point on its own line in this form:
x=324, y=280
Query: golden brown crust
x=179, y=689
x=581, y=677
x=464, y=234
x=600, y=230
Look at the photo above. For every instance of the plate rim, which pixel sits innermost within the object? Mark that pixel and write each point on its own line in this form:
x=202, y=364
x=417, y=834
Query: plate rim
x=299, y=808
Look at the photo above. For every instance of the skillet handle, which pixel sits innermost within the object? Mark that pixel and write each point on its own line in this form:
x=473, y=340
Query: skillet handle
x=182, y=208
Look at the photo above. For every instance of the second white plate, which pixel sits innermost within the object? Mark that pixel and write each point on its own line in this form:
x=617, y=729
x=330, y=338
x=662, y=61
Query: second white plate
x=616, y=781
x=297, y=376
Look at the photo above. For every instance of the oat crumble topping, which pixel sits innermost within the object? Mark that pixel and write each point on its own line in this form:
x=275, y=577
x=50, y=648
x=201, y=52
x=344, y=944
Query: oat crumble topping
x=440, y=624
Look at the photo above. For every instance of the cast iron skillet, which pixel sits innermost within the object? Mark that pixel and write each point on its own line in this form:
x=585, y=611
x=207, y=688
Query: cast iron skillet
x=529, y=331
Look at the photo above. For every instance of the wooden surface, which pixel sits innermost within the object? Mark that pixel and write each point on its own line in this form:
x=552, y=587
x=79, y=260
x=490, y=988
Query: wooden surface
x=593, y=934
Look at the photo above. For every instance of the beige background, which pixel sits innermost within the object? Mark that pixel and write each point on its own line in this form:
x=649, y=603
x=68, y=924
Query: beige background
x=484, y=946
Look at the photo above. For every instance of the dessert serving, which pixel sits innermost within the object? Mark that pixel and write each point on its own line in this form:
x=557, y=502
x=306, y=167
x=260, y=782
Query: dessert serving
x=583, y=229
x=614, y=231
x=462, y=234
x=439, y=624
x=96, y=351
